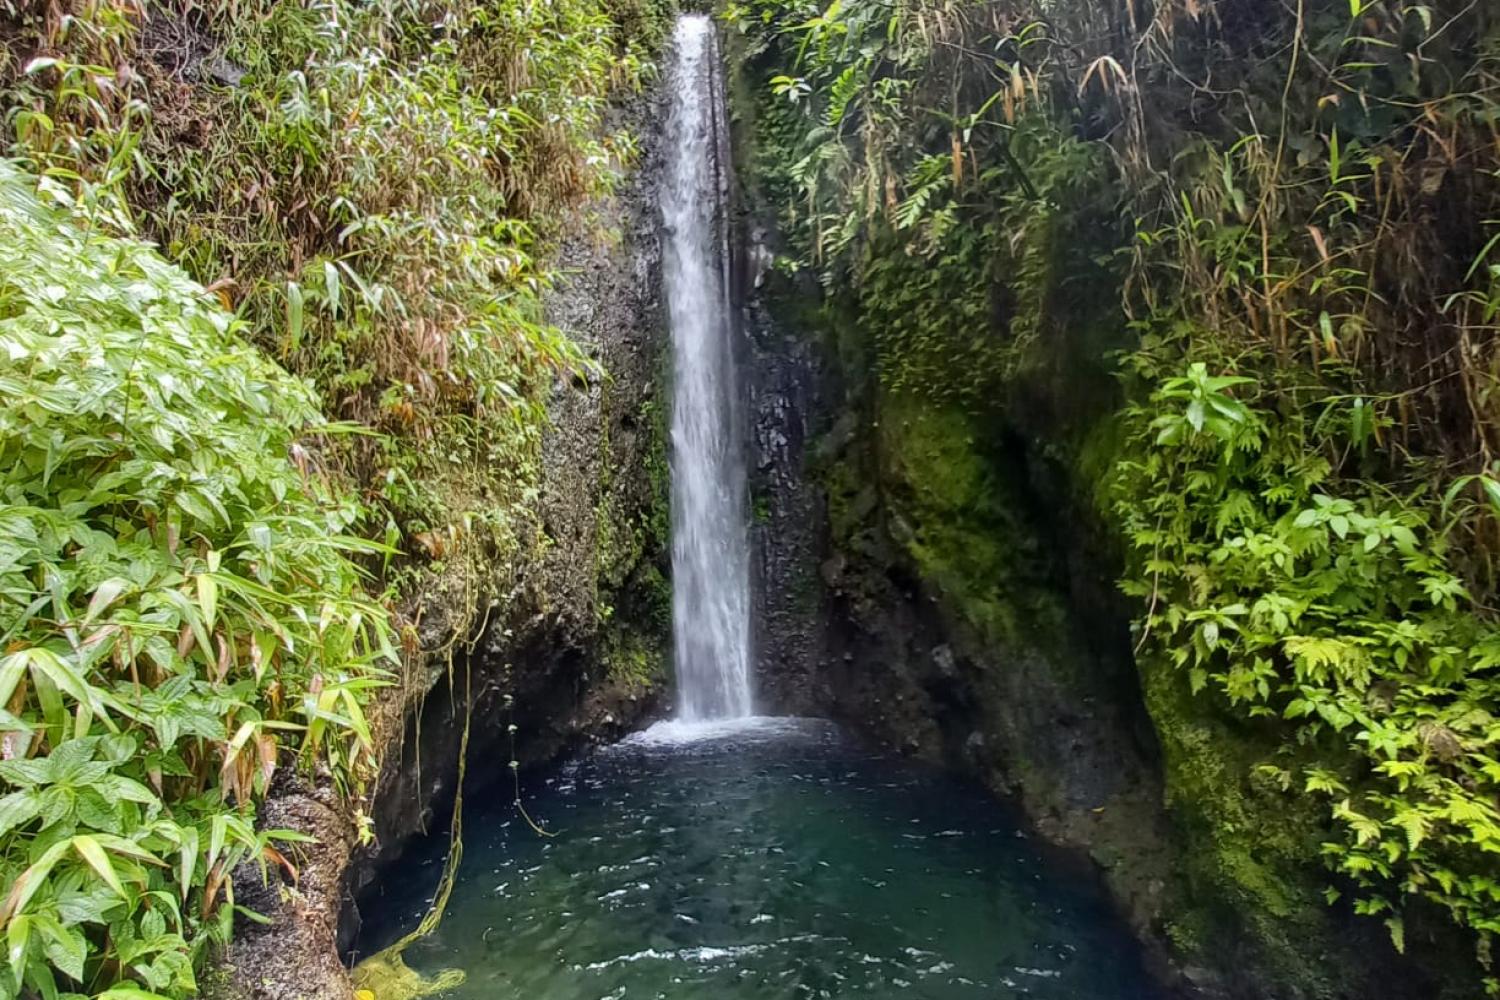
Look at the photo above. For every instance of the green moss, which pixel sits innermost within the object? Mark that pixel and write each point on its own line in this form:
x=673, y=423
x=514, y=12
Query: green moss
x=1091, y=462
x=217, y=983
x=760, y=508
x=633, y=647
x=957, y=506
x=958, y=512
x=623, y=541
x=634, y=661
x=843, y=485
x=635, y=597
x=806, y=592
x=1249, y=852
x=653, y=415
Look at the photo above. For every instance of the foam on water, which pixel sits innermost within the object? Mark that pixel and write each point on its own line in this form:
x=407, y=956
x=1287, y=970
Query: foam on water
x=682, y=732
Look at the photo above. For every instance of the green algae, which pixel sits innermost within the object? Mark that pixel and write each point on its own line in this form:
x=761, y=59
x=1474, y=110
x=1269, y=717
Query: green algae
x=385, y=974
x=388, y=977
x=1248, y=862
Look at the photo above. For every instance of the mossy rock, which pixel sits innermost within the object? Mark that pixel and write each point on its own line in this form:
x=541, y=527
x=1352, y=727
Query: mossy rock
x=956, y=507
x=1253, y=885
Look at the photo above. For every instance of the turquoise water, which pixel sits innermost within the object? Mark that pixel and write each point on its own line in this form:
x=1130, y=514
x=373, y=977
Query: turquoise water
x=757, y=859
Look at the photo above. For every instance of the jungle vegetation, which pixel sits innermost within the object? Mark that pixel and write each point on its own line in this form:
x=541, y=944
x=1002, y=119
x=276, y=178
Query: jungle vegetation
x=270, y=303
x=271, y=356
x=1278, y=223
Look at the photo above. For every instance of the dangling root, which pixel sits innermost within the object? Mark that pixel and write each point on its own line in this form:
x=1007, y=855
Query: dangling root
x=385, y=974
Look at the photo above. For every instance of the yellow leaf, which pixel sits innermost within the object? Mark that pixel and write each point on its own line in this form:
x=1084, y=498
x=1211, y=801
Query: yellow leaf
x=208, y=601
x=91, y=852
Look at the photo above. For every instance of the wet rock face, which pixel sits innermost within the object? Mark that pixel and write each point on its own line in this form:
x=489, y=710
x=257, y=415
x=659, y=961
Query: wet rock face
x=549, y=660
x=1026, y=682
x=788, y=527
x=296, y=956
x=1013, y=666
x=577, y=628
x=937, y=581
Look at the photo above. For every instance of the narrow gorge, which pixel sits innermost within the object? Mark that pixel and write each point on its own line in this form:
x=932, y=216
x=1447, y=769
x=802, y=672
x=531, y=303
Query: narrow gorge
x=774, y=498
x=751, y=855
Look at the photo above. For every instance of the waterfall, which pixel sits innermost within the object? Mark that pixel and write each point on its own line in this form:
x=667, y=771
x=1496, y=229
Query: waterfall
x=710, y=550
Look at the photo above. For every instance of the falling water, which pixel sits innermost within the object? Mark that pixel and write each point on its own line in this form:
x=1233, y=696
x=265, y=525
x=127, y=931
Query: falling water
x=710, y=552
x=731, y=856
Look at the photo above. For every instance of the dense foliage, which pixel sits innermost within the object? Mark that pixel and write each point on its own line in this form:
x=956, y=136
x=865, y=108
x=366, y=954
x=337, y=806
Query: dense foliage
x=179, y=616
x=366, y=184
x=369, y=188
x=1293, y=596
x=1293, y=207
x=924, y=179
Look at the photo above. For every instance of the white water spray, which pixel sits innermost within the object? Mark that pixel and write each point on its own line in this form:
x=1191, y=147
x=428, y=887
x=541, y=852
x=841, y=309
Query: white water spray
x=710, y=550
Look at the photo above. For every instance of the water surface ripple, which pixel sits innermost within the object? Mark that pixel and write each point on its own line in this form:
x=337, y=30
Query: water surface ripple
x=761, y=858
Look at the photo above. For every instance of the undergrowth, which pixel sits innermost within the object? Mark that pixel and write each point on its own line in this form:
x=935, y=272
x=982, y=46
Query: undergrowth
x=180, y=616
x=369, y=186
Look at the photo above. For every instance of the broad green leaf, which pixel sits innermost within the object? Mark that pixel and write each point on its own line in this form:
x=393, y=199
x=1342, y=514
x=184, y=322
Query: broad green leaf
x=17, y=936
x=27, y=771
x=1195, y=414
x=187, y=859
x=128, y=991
x=88, y=848
x=65, y=948
x=218, y=830
x=18, y=809
x=30, y=881
x=208, y=599
x=1491, y=491
x=12, y=669
x=104, y=595
x=331, y=286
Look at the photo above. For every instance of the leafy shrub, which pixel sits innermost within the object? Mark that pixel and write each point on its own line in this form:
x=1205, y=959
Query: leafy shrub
x=178, y=615
x=923, y=179
x=1287, y=594
x=373, y=195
